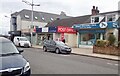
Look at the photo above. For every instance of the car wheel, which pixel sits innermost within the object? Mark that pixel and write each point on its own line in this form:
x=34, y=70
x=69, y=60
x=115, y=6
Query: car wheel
x=44, y=49
x=57, y=51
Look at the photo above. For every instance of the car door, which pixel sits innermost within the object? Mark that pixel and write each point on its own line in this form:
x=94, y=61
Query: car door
x=47, y=43
x=52, y=45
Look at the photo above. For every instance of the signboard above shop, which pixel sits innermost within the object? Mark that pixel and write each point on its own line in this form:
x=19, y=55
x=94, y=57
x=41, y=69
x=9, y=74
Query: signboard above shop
x=97, y=26
x=62, y=29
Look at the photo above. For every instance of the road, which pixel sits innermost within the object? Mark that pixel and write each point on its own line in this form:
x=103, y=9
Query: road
x=51, y=63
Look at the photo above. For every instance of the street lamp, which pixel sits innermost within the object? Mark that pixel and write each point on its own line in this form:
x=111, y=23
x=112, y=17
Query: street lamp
x=31, y=4
x=9, y=19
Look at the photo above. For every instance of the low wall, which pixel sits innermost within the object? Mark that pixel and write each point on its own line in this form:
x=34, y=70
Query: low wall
x=107, y=50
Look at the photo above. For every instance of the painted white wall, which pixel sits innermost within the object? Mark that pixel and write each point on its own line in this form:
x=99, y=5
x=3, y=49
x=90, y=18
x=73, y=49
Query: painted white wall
x=56, y=36
x=119, y=5
x=26, y=24
x=72, y=40
x=19, y=23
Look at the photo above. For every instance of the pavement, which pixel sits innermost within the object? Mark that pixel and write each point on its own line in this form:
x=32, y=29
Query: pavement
x=88, y=52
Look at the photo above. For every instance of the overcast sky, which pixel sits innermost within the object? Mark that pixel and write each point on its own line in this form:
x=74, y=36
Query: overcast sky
x=70, y=7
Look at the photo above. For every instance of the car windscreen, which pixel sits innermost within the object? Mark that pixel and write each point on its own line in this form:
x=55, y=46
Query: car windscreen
x=23, y=39
x=60, y=43
x=7, y=48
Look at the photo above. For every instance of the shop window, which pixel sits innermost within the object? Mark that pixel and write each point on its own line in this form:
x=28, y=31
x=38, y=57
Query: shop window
x=87, y=39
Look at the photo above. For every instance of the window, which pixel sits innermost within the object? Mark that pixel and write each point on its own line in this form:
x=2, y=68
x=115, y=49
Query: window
x=94, y=19
x=87, y=39
x=51, y=19
x=26, y=16
x=36, y=18
x=111, y=17
x=43, y=18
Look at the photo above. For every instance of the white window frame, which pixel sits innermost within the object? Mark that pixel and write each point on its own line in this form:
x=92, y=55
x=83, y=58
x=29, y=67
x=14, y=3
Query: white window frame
x=26, y=16
x=43, y=18
x=51, y=19
x=93, y=19
x=36, y=18
x=112, y=17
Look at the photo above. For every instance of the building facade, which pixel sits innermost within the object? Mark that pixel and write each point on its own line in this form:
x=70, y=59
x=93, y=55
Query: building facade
x=21, y=21
x=92, y=27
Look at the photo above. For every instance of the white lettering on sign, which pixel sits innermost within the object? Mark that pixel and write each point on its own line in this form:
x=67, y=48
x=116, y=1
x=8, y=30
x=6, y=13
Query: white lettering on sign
x=66, y=29
x=45, y=29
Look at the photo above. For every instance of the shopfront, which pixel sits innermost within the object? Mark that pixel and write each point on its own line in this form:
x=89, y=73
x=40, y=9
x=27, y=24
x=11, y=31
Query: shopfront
x=45, y=33
x=89, y=33
x=67, y=33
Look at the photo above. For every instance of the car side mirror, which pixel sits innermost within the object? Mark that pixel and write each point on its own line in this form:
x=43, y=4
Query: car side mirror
x=20, y=50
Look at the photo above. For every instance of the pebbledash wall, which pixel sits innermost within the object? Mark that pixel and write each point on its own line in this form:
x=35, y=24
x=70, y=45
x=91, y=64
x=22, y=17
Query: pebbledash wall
x=89, y=33
x=58, y=33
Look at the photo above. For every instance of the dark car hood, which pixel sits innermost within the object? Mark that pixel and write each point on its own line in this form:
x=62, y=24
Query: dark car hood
x=13, y=61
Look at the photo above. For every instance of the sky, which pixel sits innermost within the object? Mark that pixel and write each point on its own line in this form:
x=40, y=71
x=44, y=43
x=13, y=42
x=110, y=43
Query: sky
x=70, y=7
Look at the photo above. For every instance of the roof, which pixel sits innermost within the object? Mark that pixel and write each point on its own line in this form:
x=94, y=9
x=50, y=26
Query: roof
x=118, y=11
x=71, y=21
x=2, y=39
x=76, y=20
x=39, y=16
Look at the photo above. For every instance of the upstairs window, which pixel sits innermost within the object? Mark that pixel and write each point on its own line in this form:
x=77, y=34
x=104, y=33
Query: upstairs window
x=43, y=18
x=51, y=19
x=36, y=18
x=94, y=19
x=111, y=18
x=26, y=16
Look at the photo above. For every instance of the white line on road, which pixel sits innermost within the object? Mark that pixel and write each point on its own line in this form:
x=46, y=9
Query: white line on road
x=65, y=55
x=116, y=64
x=112, y=64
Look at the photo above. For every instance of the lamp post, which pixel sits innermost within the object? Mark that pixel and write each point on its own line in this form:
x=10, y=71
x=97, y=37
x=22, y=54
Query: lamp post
x=31, y=4
x=9, y=19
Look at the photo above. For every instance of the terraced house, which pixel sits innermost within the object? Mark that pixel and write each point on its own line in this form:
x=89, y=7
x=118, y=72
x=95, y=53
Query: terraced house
x=89, y=28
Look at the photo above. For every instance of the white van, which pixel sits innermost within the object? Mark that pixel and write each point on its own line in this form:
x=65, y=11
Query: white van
x=21, y=41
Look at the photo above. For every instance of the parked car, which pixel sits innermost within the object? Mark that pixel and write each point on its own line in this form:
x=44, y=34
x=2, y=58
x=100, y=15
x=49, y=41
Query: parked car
x=56, y=46
x=11, y=61
x=21, y=41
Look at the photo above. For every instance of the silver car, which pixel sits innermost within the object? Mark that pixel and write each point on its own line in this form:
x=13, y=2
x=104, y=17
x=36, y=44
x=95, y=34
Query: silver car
x=56, y=46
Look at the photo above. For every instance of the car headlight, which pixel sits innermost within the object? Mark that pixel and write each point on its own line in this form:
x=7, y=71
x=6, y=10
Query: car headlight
x=26, y=67
x=62, y=47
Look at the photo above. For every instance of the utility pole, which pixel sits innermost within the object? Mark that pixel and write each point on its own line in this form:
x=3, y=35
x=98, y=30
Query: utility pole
x=30, y=29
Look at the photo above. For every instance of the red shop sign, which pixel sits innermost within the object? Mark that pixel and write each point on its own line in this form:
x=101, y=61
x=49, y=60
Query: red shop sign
x=62, y=29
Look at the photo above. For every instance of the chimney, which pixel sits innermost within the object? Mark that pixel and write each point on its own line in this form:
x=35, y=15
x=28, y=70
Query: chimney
x=97, y=11
x=93, y=11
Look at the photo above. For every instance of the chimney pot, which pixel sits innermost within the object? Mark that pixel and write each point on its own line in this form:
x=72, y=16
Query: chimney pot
x=93, y=11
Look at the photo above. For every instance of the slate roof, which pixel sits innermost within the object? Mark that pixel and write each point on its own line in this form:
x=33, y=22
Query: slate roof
x=41, y=16
x=76, y=20
x=70, y=21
